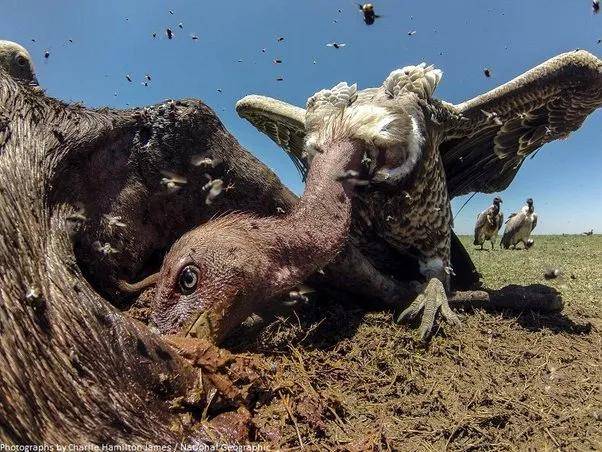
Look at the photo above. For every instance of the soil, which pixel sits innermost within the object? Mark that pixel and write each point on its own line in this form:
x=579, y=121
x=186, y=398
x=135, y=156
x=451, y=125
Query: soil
x=333, y=376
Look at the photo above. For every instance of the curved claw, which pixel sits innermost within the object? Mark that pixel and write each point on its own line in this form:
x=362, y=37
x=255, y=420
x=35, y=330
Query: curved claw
x=413, y=310
x=433, y=299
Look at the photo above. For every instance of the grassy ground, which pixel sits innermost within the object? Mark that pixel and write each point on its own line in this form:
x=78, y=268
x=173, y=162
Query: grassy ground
x=343, y=378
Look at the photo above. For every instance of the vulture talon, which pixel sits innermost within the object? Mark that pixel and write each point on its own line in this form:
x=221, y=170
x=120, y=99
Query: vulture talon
x=433, y=299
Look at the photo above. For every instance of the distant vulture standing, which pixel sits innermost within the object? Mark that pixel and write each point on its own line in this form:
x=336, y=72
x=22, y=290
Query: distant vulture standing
x=519, y=227
x=443, y=150
x=16, y=61
x=488, y=224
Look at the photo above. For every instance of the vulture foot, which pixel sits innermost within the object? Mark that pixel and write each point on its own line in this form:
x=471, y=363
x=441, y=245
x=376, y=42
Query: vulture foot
x=431, y=300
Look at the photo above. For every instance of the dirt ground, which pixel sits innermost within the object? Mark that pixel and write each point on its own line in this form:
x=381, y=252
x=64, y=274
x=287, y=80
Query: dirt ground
x=336, y=377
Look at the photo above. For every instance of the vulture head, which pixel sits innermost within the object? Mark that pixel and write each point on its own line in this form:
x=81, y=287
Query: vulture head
x=224, y=270
x=16, y=61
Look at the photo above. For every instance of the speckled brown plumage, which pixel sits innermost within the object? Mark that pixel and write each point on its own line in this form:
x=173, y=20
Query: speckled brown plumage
x=478, y=145
x=416, y=217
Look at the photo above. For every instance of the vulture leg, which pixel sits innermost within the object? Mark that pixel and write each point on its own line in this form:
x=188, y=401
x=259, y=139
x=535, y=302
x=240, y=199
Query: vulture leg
x=431, y=300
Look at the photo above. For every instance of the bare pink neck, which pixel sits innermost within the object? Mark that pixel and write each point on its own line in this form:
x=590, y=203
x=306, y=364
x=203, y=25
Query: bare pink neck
x=317, y=228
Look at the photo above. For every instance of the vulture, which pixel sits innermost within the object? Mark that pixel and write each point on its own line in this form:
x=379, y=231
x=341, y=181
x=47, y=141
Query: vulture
x=16, y=61
x=519, y=227
x=441, y=151
x=488, y=224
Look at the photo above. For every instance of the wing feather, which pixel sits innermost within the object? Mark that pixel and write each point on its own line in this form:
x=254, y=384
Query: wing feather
x=513, y=225
x=481, y=220
x=500, y=220
x=282, y=122
x=489, y=136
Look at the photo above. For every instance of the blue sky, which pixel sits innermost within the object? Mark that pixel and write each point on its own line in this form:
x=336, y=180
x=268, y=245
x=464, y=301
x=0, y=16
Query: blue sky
x=112, y=38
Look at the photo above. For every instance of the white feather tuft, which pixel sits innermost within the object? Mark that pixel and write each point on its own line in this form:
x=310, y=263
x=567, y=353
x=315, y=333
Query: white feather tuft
x=339, y=96
x=421, y=80
x=332, y=116
x=374, y=125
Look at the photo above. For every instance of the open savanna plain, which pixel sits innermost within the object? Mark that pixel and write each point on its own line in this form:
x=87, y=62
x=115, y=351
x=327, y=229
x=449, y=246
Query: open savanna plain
x=339, y=377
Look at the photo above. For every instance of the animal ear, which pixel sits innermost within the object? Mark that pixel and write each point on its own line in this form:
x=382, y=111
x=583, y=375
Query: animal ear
x=421, y=80
x=139, y=286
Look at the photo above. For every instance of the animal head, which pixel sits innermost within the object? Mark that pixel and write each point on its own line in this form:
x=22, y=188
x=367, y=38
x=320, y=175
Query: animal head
x=497, y=200
x=530, y=204
x=219, y=273
x=217, y=266
x=16, y=61
x=387, y=119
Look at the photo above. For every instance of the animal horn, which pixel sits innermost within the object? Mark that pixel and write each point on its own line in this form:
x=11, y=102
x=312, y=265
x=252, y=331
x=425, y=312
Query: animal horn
x=138, y=286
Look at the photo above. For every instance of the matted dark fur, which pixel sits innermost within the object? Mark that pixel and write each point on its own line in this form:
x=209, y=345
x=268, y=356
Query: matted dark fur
x=74, y=369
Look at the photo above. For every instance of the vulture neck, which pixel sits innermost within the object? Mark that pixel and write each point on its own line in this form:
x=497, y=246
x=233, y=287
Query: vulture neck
x=317, y=228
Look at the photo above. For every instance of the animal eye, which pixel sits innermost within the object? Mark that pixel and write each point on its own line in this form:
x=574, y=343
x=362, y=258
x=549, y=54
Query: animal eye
x=189, y=277
x=21, y=60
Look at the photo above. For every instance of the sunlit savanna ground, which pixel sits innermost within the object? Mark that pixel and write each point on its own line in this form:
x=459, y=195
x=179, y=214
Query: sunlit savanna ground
x=341, y=378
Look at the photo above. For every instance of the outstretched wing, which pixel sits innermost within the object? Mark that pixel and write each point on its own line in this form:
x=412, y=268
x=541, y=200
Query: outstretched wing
x=491, y=135
x=282, y=122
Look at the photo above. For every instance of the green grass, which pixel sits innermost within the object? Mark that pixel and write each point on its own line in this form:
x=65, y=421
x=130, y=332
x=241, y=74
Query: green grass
x=578, y=257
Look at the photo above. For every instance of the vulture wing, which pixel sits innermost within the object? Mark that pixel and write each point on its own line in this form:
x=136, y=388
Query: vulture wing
x=500, y=220
x=490, y=135
x=284, y=123
x=513, y=226
x=481, y=220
